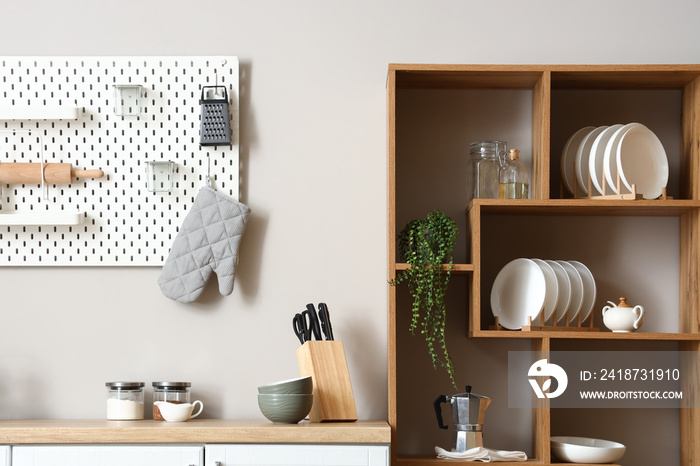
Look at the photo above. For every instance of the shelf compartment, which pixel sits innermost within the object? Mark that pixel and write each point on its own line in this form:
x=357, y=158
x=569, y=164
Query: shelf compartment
x=551, y=215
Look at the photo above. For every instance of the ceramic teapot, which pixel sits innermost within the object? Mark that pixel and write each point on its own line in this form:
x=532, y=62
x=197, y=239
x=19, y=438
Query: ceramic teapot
x=623, y=318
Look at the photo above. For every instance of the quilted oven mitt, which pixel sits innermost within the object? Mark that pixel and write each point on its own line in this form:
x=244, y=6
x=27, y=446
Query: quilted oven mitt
x=207, y=242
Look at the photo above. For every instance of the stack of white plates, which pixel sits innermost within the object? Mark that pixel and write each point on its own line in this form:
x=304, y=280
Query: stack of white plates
x=633, y=151
x=527, y=287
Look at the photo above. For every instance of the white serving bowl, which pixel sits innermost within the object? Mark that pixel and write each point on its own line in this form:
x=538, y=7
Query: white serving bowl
x=586, y=450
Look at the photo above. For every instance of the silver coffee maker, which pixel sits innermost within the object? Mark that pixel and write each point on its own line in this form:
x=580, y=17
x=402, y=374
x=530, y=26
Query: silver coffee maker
x=468, y=411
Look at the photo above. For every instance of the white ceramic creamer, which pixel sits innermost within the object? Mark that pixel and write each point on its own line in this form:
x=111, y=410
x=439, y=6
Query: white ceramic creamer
x=623, y=318
x=178, y=412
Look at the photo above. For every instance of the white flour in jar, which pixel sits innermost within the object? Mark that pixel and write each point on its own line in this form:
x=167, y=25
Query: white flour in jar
x=124, y=410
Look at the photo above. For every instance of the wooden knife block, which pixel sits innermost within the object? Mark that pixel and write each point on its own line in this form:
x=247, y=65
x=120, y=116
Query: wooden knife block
x=325, y=362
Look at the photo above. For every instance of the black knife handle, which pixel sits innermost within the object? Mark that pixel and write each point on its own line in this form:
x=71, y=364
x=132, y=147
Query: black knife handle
x=314, y=325
x=325, y=318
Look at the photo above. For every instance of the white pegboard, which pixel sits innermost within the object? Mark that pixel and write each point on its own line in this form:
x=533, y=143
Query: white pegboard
x=123, y=223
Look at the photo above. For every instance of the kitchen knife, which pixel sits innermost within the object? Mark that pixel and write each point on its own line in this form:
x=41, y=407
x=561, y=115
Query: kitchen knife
x=313, y=324
x=325, y=318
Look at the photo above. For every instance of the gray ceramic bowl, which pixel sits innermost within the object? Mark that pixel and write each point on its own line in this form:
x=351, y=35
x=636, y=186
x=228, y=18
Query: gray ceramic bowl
x=285, y=408
x=300, y=385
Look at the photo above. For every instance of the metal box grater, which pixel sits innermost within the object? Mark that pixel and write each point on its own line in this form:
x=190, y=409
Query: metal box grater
x=215, y=127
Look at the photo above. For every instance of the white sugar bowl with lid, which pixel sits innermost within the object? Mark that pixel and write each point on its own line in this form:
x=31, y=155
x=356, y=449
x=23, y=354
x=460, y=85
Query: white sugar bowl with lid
x=623, y=318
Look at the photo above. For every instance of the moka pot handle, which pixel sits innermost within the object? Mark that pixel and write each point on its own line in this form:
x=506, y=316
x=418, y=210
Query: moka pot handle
x=438, y=411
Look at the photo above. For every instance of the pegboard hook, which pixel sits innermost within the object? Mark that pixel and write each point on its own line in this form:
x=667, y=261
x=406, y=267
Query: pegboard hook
x=208, y=179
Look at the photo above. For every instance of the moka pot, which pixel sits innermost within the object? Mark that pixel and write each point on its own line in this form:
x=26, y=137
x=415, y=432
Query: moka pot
x=468, y=411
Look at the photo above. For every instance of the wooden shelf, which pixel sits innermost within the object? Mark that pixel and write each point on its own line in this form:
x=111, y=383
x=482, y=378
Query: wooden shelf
x=586, y=335
x=555, y=207
x=422, y=460
x=456, y=268
x=14, y=432
x=432, y=461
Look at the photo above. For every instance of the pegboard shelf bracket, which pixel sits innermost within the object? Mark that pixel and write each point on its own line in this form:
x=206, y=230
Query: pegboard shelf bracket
x=39, y=112
x=41, y=218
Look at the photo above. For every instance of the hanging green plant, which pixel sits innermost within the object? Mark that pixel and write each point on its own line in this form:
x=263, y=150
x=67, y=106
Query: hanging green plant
x=427, y=244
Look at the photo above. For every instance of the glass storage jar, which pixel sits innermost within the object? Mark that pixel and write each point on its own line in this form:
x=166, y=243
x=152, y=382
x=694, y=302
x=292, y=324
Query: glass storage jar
x=486, y=158
x=124, y=401
x=172, y=392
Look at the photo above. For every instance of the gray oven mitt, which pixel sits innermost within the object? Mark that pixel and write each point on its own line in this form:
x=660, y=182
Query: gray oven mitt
x=207, y=242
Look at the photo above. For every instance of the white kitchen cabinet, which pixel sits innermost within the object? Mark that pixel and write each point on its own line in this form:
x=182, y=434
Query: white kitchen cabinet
x=5, y=455
x=107, y=455
x=292, y=455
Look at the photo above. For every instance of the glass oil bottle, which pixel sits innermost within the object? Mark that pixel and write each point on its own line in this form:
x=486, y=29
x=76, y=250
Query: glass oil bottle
x=514, y=179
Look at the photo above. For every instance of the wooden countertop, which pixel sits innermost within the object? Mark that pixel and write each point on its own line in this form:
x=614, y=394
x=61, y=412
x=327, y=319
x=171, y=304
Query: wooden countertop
x=13, y=432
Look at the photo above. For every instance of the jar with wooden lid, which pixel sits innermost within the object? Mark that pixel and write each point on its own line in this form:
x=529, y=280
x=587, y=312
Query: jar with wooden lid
x=172, y=392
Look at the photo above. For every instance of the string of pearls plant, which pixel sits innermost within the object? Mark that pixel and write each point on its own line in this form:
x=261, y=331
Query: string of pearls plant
x=427, y=244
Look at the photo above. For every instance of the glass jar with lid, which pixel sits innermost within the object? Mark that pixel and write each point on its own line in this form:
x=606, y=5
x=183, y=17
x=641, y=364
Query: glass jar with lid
x=124, y=401
x=172, y=392
x=485, y=162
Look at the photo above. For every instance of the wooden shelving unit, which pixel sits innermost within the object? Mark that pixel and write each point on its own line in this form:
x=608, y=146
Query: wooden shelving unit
x=543, y=84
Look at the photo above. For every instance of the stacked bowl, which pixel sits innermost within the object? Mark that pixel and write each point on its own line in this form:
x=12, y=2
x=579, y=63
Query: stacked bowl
x=287, y=401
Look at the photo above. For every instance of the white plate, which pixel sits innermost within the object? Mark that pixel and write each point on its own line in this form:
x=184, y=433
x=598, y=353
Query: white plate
x=641, y=160
x=568, y=157
x=610, y=159
x=552, y=295
x=583, y=154
x=518, y=293
x=564, y=285
x=589, y=289
x=595, y=162
x=576, y=291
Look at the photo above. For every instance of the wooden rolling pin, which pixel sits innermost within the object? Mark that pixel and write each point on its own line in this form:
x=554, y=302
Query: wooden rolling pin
x=54, y=173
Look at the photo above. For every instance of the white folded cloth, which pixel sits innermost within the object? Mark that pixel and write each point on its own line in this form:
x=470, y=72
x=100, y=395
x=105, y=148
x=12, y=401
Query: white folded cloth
x=481, y=454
